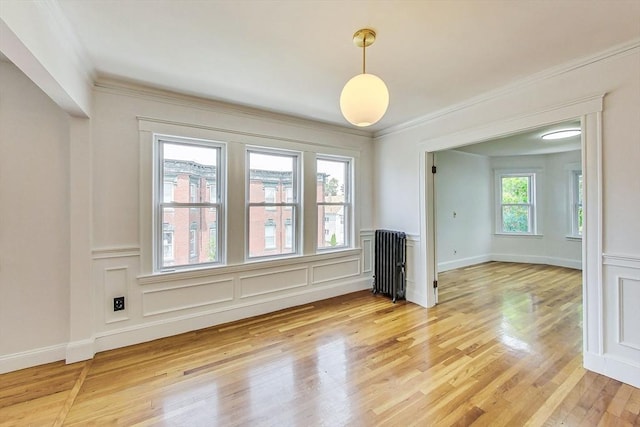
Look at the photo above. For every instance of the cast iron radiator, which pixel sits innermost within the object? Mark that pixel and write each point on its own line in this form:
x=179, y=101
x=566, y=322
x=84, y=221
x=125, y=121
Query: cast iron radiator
x=390, y=259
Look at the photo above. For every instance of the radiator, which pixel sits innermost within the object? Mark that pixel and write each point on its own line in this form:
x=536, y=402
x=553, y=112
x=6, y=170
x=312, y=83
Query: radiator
x=389, y=259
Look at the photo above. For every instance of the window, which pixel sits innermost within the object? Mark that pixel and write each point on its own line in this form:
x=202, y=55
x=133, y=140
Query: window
x=167, y=244
x=213, y=192
x=516, y=211
x=193, y=240
x=167, y=193
x=576, y=204
x=270, y=235
x=270, y=198
x=288, y=234
x=267, y=217
x=333, y=201
x=188, y=226
x=194, y=197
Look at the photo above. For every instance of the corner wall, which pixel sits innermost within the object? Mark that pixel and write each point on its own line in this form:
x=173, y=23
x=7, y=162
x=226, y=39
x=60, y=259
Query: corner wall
x=34, y=224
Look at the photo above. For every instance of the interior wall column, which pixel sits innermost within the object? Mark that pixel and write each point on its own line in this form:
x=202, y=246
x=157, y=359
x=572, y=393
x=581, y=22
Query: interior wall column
x=81, y=296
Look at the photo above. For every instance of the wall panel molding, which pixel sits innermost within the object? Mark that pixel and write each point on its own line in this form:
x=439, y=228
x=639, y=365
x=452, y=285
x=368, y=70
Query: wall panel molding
x=184, y=297
x=331, y=271
x=115, y=252
x=273, y=281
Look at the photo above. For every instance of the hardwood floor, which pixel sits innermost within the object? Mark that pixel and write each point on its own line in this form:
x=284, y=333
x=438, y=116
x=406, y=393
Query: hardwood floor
x=503, y=348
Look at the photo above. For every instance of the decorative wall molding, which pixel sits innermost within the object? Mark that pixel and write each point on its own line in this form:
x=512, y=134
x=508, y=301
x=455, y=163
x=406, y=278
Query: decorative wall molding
x=184, y=297
x=547, y=74
x=273, y=281
x=331, y=271
x=239, y=309
x=628, y=314
x=115, y=252
x=184, y=100
x=618, y=260
x=250, y=266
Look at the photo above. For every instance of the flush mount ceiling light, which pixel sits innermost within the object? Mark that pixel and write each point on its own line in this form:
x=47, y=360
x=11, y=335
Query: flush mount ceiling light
x=365, y=98
x=561, y=134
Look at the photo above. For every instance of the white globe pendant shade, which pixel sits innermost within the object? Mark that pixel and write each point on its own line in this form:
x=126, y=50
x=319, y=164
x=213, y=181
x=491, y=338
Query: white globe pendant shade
x=364, y=100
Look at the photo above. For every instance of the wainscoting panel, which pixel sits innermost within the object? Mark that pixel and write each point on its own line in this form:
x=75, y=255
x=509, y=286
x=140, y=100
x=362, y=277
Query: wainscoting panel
x=621, y=295
x=326, y=272
x=629, y=315
x=366, y=242
x=159, y=301
x=273, y=281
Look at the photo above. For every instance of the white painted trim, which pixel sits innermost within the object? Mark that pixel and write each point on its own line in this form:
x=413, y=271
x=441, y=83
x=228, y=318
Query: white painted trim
x=26, y=359
x=168, y=327
x=464, y=262
x=146, y=313
x=148, y=279
x=518, y=85
x=115, y=252
x=618, y=260
x=80, y=350
x=147, y=92
x=302, y=284
x=344, y=261
x=612, y=367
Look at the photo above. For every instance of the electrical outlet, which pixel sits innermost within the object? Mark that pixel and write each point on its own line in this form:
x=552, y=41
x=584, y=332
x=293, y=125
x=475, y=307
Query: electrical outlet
x=118, y=303
x=455, y=252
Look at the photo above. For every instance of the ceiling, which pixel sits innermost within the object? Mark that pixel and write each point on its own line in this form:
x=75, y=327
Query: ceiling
x=294, y=56
x=528, y=142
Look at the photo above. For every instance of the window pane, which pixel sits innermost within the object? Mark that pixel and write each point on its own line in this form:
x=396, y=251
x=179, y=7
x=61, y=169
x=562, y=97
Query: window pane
x=515, y=189
x=268, y=231
x=331, y=226
x=332, y=180
x=580, y=188
x=580, y=220
x=269, y=171
x=191, y=241
x=515, y=219
x=189, y=167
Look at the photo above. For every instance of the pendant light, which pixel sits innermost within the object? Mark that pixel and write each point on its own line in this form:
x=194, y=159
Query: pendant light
x=365, y=98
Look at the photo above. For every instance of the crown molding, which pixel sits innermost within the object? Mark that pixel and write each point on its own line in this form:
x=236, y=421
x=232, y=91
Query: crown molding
x=138, y=90
x=618, y=50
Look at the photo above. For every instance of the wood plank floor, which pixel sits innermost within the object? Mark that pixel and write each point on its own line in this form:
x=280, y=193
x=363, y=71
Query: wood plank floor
x=503, y=348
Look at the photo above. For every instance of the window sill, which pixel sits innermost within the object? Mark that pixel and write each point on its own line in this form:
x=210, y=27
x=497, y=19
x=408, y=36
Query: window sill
x=532, y=236
x=170, y=276
x=574, y=238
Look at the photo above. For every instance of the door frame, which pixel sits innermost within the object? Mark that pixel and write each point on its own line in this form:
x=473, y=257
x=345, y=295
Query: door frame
x=589, y=110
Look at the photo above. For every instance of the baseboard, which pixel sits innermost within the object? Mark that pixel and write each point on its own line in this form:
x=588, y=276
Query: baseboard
x=464, y=262
x=613, y=368
x=80, y=350
x=168, y=327
x=535, y=259
x=416, y=295
x=27, y=359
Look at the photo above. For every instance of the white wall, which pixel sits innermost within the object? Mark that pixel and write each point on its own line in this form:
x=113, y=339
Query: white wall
x=463, y=186
x=123, y=122
x=533, y=102
x=34, y=222
x=550, y=245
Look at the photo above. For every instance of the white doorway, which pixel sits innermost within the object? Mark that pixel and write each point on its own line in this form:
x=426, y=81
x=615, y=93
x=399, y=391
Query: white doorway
x=515, y=199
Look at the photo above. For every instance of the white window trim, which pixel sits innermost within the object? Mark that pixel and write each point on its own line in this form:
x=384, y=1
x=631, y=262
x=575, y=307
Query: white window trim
x=347, y=204
x=159, y=204
x=535, y=176
x=295, y=205
x=574, y=198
